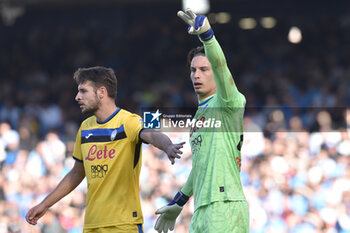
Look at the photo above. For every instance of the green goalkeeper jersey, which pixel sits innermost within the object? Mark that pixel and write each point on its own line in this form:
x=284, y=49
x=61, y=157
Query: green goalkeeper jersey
x=216, y=156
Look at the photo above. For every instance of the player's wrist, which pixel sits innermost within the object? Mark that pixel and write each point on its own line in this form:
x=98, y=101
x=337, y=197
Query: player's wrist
x=180, y=199
x=206, y=35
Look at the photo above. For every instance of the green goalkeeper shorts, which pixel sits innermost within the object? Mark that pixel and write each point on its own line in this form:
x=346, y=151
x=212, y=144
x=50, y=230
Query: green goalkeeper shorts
x=221, y=217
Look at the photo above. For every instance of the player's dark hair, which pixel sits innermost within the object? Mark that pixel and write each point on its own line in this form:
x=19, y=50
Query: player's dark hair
x=99, y=76
x=194, y=52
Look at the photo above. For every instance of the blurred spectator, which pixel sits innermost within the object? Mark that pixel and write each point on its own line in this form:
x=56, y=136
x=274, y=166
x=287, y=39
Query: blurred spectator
x=9, y=139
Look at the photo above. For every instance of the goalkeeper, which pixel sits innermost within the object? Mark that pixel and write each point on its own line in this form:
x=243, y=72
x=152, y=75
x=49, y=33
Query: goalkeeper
x=219, y=201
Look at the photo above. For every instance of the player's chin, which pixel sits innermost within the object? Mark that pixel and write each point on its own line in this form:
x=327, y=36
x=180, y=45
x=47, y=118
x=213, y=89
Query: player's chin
x=88, y=110
x=83, y=110
x=198, y=91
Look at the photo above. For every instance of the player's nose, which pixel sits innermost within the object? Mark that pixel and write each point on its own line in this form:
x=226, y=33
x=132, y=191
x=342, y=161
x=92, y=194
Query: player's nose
x=77, y=97
x=195, y=76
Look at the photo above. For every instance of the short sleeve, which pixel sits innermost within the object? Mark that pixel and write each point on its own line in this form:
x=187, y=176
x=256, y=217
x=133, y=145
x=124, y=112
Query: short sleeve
x=132, y=126
x=77, y=155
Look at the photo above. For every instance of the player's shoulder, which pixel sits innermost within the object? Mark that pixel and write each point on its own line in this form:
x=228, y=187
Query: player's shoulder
x=242, y=99
x=236, y=100
x=125, y=114
x=128, y=119
x=121, y=117
x=88, y=122
x=239, y=99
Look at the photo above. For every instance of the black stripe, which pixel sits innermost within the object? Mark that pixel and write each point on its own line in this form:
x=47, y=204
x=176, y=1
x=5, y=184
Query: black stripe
x=141, y=138
x=137, y=153
x=77, y=159
x=119, y=136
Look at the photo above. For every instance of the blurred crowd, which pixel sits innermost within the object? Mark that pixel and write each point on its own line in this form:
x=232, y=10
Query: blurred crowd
x=295, y=181
x=296, y=151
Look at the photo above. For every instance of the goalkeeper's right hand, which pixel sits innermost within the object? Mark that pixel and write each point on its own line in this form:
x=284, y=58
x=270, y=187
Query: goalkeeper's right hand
x=168, y=214
x=198, y=24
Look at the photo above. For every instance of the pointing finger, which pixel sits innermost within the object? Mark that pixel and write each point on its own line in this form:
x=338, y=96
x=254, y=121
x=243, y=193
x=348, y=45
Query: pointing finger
x=190, y=13
x=179, y=146
x=186, y=18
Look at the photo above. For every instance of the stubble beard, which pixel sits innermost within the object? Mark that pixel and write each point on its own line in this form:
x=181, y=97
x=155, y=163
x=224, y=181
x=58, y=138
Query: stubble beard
x=93, y=107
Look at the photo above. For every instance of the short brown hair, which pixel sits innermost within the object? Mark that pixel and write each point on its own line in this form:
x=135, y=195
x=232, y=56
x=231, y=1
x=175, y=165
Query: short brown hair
x=99, y=76
x=194, y=52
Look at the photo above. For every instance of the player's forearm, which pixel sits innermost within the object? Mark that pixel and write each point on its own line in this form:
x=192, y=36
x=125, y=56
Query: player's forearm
x=157, y=139
x=223, y=78
x=67, y=184
x=215, y=54
x=187, y=189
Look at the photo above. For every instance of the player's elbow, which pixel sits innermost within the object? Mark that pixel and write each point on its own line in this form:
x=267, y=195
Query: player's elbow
x=218, y=63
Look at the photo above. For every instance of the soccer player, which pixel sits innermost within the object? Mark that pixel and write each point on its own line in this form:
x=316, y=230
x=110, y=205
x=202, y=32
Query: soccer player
x=214, y=181
x=108, y=153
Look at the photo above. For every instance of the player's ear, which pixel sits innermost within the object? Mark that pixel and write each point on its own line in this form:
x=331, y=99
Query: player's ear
x=101, y=92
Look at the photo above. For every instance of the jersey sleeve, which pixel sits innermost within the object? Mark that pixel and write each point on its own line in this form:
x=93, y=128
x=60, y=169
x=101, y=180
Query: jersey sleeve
x=77, y=155
x=226, y=89
x=133, y=126
x=187, y=189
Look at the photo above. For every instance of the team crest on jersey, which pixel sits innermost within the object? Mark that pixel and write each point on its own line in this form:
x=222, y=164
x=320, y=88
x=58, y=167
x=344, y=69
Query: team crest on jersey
x=114, y=134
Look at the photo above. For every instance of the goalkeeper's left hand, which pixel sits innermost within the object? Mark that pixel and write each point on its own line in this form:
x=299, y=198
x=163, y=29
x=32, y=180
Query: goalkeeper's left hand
x=168, y=214
x=198, y=24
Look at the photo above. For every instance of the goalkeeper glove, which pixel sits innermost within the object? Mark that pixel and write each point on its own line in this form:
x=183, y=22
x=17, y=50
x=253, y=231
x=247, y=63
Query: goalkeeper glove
x=168, y=214
x=198, y=24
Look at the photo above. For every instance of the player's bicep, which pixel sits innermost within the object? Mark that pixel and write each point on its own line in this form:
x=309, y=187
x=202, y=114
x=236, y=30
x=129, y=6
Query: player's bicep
x=78, y=170
x=146, y=135
x=225, y=86
x=228, y=94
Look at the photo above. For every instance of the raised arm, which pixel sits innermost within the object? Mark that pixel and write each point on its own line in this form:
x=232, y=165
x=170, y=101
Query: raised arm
x=225, y=85
x=199, y=25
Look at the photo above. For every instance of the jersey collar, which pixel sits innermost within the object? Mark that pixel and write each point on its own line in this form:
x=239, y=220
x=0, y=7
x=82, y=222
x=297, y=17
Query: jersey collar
x=110, y=117
x=204, y=101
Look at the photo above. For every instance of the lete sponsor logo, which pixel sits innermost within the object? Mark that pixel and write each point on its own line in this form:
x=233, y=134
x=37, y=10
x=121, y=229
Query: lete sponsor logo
x=99, y=154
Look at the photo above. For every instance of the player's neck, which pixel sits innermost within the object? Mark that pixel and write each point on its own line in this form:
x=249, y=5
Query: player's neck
x=203, y=97
x=105, y=111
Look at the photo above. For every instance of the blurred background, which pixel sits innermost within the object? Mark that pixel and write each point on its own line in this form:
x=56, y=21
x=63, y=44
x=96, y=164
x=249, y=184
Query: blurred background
x=289, y=58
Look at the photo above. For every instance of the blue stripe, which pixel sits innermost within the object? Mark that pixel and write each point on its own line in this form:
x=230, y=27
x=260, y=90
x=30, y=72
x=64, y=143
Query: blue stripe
x=139, y=226
x=110, y=117
x=101, y=132
x=201, y=104
x=207, y=35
